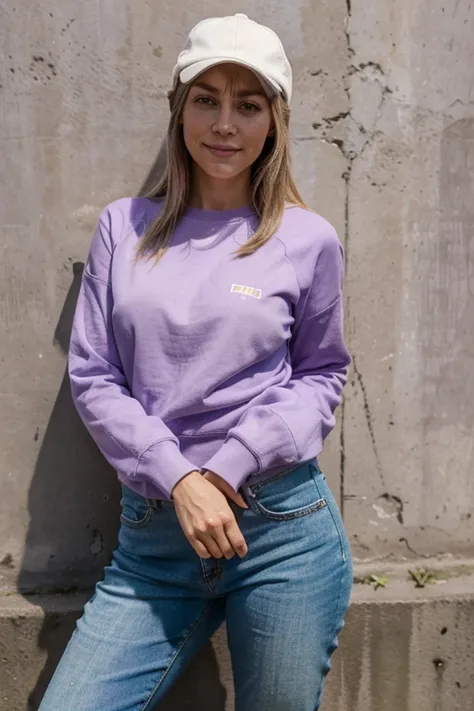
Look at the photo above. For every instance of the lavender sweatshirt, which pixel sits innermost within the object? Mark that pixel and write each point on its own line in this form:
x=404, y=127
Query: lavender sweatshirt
x=205, y=360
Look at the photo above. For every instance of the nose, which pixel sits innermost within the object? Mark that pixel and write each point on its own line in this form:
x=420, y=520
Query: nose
x=224, y=124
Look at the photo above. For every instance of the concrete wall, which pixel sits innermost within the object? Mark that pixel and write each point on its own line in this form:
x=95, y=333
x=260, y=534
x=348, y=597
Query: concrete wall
x=383, y=146
x=401, y=650
x=409, y=410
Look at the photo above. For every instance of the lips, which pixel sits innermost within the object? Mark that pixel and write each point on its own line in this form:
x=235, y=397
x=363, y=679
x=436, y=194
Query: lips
x=224, y=151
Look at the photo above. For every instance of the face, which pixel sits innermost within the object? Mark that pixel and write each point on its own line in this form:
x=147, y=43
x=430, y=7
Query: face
x=226, y=120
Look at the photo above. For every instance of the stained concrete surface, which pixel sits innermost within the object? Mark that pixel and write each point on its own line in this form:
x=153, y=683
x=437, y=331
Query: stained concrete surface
x=383, y=146
x=83, y=114
x=402, y=649
x=409, y=408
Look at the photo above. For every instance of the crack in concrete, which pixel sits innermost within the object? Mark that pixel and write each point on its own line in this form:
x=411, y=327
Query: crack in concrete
x=405, y=541
x=360, y=543
x=375, y=72
x=368, y=418
x=466, y=104
x=396, y=503
x=363, y=65
x=339, y=143
x=343, y=462
x=327, y=123
x=412, y=550
x=330, y=120
x=346, y=175
x=350, y=49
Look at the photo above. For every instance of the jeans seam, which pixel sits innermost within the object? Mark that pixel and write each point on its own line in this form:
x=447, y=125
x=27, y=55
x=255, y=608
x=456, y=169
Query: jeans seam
x=334, y=635
x=337, y=630
x=290, y=515
x=276, y=477
x=141, y=523
x=336, y=525
x=339, y=535
x=207, y=577
x=173, y=659
x=337, y=615
x=282, y=474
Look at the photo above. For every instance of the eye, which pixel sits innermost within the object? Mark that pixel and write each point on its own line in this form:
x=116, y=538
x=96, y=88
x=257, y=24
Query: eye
x=249, y=107
x=204, y=101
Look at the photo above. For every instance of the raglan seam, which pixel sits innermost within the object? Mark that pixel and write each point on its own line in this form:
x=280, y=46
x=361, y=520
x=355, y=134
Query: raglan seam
x=288, y=258
x=326, y=308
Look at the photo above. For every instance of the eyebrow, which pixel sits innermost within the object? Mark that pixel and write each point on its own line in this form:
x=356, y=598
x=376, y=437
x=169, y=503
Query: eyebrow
x=241, y=94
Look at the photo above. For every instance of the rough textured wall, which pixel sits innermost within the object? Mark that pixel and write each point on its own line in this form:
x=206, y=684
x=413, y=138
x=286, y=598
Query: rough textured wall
x=398, y=653
x=382, y=131
x=383, y=146
x=83, y=113
x=409, y=137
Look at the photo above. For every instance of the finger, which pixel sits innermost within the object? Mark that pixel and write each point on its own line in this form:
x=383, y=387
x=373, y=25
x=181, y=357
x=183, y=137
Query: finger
x=223, y=542
x=200, y=549
x=237, y=498
x=237, y=541
x=211, y=545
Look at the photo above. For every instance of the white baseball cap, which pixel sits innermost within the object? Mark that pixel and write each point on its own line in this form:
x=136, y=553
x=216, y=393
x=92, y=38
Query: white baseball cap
x=239, y=40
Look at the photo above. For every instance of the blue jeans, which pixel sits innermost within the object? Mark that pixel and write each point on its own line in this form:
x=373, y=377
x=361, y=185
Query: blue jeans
x=284, y=604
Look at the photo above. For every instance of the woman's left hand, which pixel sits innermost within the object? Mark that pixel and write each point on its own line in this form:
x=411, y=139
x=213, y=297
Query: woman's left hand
x=226, y=488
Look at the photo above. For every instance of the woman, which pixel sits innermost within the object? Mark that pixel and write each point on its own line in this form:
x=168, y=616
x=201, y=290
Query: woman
x=207, y=360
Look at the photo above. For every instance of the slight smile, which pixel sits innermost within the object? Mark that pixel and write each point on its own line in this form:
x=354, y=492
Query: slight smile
x=222, y=151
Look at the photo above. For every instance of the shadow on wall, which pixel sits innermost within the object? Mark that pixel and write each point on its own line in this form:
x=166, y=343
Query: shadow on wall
x=156, y=171
x=73, y=506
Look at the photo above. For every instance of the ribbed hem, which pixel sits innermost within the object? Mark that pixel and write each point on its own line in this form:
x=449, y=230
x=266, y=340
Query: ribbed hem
x=234, y=462
x=164, y=465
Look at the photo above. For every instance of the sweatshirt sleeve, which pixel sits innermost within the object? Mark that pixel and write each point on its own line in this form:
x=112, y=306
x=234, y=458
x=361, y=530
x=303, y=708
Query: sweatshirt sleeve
x=288, y=424
x=139, y=446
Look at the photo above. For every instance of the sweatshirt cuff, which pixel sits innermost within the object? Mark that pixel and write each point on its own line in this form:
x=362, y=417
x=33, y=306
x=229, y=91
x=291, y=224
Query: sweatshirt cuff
x=234, y=462
x=164, y=465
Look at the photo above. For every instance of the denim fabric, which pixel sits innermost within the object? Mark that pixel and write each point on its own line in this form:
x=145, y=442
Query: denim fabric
x=284, y=604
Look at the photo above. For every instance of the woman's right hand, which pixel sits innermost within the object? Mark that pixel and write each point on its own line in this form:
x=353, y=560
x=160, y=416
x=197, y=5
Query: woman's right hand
x=207, y=519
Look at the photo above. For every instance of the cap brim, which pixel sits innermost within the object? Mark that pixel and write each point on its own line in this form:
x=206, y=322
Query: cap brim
x=194, y=70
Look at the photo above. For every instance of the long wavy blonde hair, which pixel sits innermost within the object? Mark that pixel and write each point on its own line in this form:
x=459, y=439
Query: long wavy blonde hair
x=272, y=181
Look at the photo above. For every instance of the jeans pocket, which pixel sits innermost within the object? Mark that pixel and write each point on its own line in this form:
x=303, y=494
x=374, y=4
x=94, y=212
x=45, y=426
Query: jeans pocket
x=336, y=517
x=289, y=495
x=136, y=511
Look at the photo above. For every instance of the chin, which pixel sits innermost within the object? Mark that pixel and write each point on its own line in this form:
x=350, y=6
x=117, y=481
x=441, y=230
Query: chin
x=223, y=173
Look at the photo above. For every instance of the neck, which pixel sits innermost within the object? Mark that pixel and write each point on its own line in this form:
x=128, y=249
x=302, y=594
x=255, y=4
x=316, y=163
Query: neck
x=208, y=193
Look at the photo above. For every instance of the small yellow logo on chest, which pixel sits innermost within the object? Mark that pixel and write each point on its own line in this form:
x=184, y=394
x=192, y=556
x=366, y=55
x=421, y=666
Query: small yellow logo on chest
x=246, y=291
